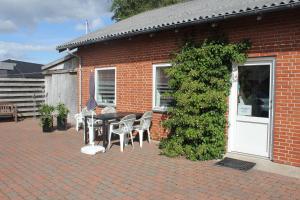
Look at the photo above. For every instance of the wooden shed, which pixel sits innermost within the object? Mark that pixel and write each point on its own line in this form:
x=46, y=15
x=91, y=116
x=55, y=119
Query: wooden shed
x=61, y=83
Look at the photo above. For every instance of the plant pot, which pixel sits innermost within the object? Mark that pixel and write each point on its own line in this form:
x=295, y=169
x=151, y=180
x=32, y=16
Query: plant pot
x=47, y=129
x=47, y=124
x=61, y=124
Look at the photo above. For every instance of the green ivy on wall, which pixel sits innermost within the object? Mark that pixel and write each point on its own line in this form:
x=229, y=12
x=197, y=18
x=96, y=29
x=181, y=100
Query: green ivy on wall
x=200, y=83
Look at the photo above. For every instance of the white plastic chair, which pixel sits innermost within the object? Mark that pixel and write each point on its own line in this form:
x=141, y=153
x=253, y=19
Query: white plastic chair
x=105, y=110
x=124, y=127
x=95, y=124
x=108, y=109
x=144, y=125
x=79, y=121
x=79, y=117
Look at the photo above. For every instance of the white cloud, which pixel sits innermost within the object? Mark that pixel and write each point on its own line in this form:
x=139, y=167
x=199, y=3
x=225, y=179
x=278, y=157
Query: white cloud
x=27, y=13
x=7, y=26
x=19, y=51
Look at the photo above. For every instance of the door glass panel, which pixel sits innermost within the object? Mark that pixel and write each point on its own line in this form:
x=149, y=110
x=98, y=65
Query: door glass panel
x=253, y=90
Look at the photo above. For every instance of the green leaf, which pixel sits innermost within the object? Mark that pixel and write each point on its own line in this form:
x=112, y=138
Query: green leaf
x=200, y=83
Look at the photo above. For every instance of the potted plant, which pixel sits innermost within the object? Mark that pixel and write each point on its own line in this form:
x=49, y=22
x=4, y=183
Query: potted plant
x=46, y=118
x=62, y=114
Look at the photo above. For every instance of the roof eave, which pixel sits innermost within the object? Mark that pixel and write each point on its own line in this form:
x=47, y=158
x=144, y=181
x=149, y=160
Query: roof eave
x=178, y=25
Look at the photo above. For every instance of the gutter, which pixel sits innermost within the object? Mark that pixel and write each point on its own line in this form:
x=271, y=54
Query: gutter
x=184, y=23
x=59, y=71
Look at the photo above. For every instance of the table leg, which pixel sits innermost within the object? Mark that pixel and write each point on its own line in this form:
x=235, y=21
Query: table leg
x=105, y=134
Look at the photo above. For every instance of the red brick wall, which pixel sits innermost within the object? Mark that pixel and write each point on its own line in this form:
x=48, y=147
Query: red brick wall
x=276, y=35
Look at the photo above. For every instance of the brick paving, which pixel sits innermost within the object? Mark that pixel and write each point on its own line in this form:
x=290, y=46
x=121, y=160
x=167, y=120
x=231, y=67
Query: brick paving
x=34, y=165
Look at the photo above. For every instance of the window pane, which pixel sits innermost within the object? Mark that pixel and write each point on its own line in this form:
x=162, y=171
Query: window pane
x=106, y=86
x=253, y=90
x=161, y=87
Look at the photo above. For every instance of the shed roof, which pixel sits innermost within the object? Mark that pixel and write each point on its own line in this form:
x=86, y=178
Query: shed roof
x=58, y=61
x=190, y=12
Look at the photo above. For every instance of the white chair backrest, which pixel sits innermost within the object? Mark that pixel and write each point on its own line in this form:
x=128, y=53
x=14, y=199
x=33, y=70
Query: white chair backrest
x=85, y=112
x=146, y=120
x=108, y=109
x=126, y=123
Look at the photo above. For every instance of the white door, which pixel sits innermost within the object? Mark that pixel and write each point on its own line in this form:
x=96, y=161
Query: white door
x=250, y=113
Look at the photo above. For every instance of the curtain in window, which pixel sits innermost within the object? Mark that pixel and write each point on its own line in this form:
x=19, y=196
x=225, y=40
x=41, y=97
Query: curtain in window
x=105, y=93
x=161, y=88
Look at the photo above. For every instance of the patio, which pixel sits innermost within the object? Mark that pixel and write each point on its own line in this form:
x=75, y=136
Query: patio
x=35, y=165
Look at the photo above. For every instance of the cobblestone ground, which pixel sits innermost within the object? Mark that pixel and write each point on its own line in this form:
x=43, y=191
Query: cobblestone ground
x=35, y=165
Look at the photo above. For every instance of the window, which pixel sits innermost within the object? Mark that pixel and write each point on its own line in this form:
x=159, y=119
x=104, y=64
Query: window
x=105, y=85
x=254, y=90
x=160, y=86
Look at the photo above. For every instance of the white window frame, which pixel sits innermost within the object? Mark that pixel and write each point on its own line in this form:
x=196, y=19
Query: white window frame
x=96, y=85
x=154, y=67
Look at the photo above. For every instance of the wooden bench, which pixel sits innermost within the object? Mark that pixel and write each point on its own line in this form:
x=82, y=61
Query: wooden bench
x=8, y=110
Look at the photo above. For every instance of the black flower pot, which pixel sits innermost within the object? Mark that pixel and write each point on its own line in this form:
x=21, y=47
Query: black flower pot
x=48, y=126
x=47, y=129
x=61, y=123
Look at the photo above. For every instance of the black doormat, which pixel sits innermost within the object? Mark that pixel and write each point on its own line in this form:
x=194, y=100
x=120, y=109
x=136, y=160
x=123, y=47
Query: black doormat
x=236, y=164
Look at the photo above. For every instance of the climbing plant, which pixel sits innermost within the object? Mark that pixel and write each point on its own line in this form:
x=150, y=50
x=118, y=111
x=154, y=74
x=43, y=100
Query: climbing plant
x=200, y=82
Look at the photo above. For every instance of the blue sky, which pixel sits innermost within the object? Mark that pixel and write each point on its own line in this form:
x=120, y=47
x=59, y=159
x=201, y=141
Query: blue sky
x=30, y=30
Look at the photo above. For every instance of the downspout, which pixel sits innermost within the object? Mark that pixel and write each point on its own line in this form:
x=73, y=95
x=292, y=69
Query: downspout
x=80, y=78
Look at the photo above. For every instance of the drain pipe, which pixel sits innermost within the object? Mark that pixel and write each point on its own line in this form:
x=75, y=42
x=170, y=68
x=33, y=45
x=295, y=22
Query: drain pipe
x=80, y=77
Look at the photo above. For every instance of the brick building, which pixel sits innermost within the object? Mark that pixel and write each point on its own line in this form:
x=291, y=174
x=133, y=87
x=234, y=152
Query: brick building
x=128, y=59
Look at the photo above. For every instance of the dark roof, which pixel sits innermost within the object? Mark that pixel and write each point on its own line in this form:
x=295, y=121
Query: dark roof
x=24, y=69
x=190, y=12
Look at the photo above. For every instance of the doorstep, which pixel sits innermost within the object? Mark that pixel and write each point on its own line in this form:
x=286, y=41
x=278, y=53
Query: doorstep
x=266, y=165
